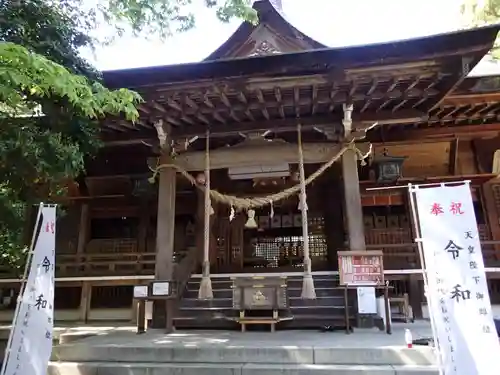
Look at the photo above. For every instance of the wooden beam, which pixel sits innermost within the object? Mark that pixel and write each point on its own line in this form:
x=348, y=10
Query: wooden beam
x=466, y=99
x=462, y=131
x=241, y=156
x=462, y=69
x=146, y=141
x=288, y=125
x=476, y=179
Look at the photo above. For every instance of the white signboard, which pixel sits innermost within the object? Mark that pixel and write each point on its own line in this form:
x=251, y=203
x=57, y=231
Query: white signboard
x=31, y=339
x=457, y=289
x=161, y=288
x=367, y=302
x=140, y=291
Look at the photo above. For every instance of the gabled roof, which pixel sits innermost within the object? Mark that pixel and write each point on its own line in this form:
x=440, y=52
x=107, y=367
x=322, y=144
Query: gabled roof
x=457, y=45
x=388, y=83
x=271, y=19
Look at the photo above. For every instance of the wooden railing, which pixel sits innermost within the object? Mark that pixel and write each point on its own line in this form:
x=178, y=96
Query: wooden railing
x=120, y=257
x=112, y=245
x=105, y=264
x=400, y=251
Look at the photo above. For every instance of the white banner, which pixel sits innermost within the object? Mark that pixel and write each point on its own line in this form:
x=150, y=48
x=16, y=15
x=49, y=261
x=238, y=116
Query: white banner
x=31, y=341
x=457, y=289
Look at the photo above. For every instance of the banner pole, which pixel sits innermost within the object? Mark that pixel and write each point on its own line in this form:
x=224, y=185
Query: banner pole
x=27, y=265
x=418, y=241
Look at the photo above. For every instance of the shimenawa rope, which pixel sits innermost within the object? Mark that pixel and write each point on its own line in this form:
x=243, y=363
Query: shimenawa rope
x=308, y=290
x=256, y=202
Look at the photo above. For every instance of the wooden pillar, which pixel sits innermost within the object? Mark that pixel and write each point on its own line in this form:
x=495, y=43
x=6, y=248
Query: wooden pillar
x=83, y=230
x=85, y=299
x=416, y=295
x=334, y=219
x=165, y=243
x=354, y=216
x=142, y=234
x=142, y=231
x=415, y=282
x=83, y=237
x=352, y=196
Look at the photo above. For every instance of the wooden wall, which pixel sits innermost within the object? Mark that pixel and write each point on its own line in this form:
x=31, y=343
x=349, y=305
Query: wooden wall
x=426, y=159
x=434, y=158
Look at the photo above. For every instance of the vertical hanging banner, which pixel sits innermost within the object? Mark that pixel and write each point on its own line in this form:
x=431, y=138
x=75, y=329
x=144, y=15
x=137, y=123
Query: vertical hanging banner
x=31, y=336
x=457, y=292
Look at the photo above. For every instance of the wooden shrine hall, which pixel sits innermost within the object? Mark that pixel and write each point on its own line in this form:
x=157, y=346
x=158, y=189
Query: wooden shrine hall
x=259, y=162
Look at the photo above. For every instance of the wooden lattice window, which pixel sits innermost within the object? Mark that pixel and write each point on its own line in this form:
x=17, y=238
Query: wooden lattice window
x=285, y=247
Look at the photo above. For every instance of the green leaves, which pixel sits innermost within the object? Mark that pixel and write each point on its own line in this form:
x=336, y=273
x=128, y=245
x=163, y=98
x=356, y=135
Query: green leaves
x=26, y=77
x=51, y=99
x=162, y=18
x=50, y=105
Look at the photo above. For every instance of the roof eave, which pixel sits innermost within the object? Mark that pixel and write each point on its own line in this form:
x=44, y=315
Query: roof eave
x=474, y=42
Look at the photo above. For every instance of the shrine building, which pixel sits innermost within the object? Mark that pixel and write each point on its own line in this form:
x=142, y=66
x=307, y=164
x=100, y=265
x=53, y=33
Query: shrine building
x=302, y=147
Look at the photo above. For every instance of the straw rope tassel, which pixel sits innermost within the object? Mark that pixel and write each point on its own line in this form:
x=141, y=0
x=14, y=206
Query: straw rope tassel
x=205, y=291
x=308, y=290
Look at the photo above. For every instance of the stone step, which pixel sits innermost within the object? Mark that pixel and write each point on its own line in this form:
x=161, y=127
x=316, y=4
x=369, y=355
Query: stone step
x=192, y=292
x=189, y=368
x=322, y=301
x=319, y=282
x=295, y=311
x=215, y=353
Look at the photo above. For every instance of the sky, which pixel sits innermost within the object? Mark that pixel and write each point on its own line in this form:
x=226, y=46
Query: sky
x=331, y=22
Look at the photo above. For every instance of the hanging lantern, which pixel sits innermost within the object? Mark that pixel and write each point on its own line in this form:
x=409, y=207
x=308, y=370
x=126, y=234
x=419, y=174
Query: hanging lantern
x=388, y=169
x=251, y=223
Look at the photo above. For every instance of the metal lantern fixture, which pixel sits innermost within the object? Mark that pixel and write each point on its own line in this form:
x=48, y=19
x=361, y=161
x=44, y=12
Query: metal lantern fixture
x=388, y=169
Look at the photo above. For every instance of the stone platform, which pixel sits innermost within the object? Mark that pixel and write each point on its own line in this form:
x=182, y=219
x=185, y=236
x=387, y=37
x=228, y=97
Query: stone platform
x=122, y=352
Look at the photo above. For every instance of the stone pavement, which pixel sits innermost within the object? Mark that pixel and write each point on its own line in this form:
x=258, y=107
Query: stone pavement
x=120, y=351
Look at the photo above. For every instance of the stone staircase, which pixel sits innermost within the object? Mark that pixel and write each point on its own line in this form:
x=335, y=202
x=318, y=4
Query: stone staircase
x=327, y=309
x=233, y=353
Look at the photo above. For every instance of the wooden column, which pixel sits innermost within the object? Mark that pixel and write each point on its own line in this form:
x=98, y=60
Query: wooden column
x=352, y=196
x=83, y=230
x=354, y=217
x=85, y=299
x=142, y=234
x=415, y=282
x=416, y=295
x=333, y=214
x=165, y=243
